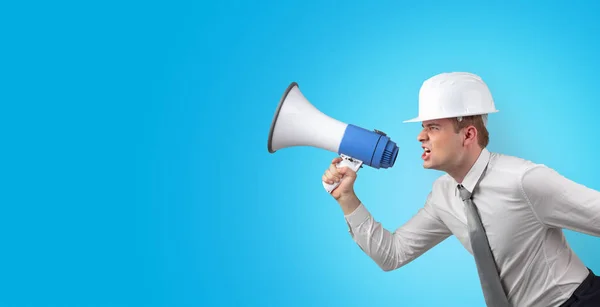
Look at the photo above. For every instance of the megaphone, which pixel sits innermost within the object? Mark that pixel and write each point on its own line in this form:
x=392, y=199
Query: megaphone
x=298, y=123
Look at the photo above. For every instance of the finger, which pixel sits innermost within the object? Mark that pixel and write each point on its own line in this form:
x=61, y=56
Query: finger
x=328, y=176
x=346, y=171
x=334, y=170
x=336, y=160
x=334, y=174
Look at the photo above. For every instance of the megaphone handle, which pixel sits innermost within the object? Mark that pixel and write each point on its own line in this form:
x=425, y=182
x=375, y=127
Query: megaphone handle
x=350, y=162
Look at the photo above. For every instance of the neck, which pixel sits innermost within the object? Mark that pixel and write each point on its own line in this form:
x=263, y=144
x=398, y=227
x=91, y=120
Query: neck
x=465, y=164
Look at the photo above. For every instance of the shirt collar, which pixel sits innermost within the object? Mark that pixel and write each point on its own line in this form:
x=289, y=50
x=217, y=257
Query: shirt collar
x=476, y=170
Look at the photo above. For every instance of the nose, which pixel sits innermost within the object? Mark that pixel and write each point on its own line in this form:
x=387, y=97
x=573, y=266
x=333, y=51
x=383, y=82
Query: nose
x=422, y=136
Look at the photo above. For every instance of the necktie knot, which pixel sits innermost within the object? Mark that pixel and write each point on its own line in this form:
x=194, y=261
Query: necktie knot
x=464, y=194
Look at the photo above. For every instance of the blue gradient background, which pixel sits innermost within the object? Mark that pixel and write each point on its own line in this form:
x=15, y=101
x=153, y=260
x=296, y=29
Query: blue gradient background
x=135, y=169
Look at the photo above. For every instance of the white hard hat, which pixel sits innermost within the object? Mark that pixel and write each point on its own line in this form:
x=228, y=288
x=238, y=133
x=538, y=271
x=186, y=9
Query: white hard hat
x=454, y=94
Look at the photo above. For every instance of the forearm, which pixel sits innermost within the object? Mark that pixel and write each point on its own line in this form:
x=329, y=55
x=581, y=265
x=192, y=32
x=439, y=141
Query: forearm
x=349, y=203
x=376, y=241
x=392, y=250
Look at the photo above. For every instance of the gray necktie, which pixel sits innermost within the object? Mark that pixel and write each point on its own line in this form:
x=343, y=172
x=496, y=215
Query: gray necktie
x=486, y=266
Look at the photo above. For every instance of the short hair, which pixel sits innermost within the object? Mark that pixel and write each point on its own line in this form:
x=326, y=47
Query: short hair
x=479, y=122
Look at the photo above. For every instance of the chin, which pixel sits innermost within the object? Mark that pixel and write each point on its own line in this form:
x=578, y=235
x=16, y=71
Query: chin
x=430, y=165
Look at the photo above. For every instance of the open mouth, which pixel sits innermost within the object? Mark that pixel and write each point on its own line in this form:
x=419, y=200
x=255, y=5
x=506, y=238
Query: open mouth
x=426, y=153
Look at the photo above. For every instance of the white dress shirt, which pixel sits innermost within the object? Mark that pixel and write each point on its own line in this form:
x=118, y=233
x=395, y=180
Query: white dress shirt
x=523, y=208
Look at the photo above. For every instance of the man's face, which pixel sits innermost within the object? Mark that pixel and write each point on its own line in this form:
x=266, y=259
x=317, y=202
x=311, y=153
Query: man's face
x=442, y=146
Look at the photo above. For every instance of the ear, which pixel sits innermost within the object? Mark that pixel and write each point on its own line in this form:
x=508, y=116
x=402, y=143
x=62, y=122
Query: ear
x=469, y=135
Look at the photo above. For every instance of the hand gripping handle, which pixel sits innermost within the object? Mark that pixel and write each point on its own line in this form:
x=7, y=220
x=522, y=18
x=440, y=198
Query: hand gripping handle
x=352, y=163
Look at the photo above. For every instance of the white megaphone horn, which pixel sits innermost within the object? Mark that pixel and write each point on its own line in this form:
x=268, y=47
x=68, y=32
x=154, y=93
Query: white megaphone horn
x=298, y=123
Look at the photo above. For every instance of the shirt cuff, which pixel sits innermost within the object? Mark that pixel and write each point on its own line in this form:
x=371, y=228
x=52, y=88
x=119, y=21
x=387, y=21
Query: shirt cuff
x=358, y=216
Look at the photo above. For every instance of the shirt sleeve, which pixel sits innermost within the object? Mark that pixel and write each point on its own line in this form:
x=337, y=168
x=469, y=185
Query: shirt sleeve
x=391, y=250
x=560, y=202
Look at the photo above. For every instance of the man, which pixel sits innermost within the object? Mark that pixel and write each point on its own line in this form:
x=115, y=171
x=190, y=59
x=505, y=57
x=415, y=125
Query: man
x=522, y=206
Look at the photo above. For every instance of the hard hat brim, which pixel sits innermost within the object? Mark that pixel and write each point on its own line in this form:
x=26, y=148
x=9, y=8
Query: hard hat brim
x=425, y=118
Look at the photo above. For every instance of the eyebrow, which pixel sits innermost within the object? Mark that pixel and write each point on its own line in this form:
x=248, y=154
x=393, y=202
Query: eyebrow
x=429, y=125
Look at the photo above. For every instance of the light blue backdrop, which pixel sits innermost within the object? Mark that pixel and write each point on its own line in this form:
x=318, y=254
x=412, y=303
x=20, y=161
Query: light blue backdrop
x=135, y=169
